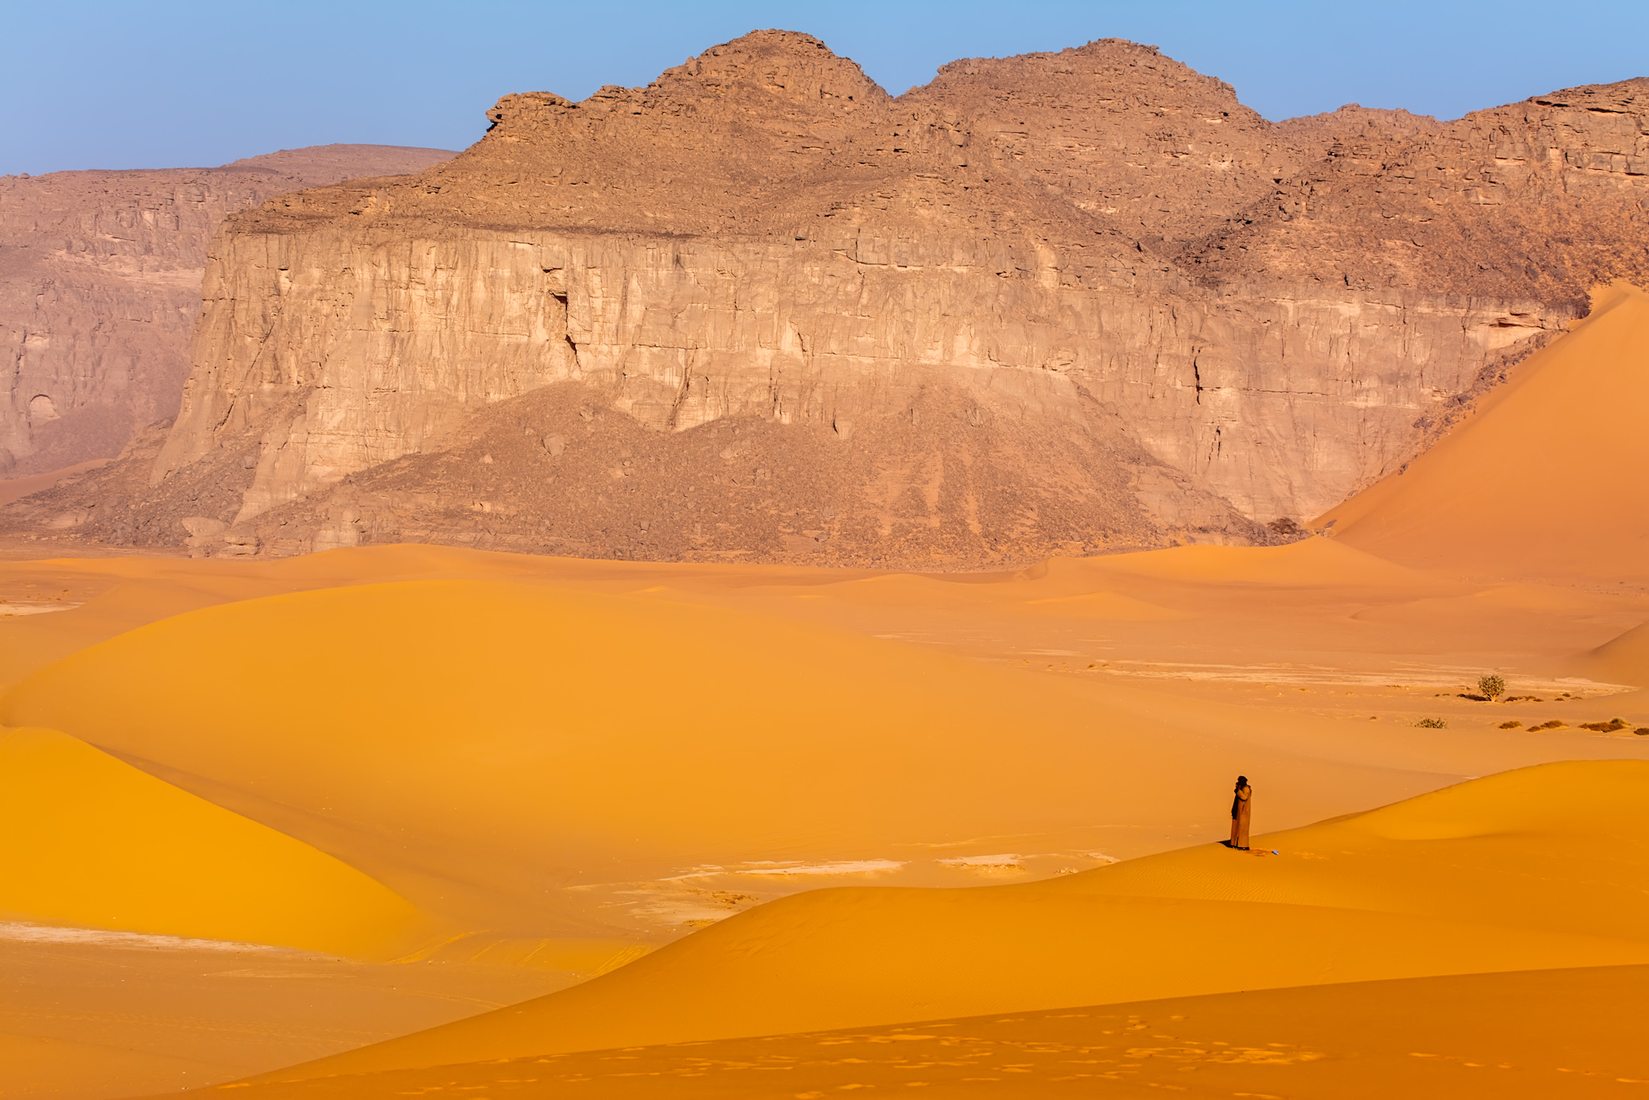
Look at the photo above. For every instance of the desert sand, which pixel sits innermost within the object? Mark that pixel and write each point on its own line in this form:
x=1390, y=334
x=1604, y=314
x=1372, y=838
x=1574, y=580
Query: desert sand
x=1510, y=1034
x=1499, y=497
x=367, y=822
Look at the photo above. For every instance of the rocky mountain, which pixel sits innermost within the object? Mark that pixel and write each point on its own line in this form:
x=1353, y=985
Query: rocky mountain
x=100, y=287
x=1538, y=201
x=759, y=308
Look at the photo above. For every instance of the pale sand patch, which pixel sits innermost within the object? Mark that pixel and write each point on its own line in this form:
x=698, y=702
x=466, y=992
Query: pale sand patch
x=1400, y=676
x=21, y=932
x=14, y=609
x=764, y=867
x=986, y=862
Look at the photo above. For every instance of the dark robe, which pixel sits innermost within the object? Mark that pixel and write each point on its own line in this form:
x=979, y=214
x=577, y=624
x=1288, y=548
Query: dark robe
x=1242, y=807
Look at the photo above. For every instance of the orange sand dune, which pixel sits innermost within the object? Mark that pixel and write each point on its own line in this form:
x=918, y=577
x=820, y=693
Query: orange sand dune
x=1624, y=658
x=505, y=694
x=1544, y=480
x=92, y=842
x=1540, y=868
x=88, y=1015
x=614, y=738
x=572, y=762
x=1521, y=1034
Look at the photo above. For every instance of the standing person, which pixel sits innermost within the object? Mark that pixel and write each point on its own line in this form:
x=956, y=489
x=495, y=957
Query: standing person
x=1242, y=805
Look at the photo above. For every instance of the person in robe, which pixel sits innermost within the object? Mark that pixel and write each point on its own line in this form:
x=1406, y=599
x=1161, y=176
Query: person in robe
x=1242, y=806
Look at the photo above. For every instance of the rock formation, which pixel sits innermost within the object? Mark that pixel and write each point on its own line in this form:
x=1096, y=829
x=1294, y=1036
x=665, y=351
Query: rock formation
x=1060, y=302
x=100, y=288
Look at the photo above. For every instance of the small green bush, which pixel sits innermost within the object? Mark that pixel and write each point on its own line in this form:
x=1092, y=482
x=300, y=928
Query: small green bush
x=1432, y=724
x=1491, y=686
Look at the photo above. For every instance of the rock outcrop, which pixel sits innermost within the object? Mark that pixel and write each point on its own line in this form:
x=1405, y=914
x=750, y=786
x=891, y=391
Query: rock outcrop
x=1534, y=202
x=100, y=288
x=1061, y=302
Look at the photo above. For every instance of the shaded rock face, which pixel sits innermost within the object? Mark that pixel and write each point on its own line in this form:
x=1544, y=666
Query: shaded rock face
x=1093, y=269
x=100, y=288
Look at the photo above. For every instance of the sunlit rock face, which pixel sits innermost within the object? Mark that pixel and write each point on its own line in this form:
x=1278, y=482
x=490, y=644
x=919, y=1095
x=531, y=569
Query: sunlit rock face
x=1057, y=303
x=100, y=288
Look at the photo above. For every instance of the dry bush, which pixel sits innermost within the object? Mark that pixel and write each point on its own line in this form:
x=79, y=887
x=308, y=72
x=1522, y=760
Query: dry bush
x=1554, y=724
x=1491, y=686
x=1432, y=724
x=1610, y=726
x=1513, y=724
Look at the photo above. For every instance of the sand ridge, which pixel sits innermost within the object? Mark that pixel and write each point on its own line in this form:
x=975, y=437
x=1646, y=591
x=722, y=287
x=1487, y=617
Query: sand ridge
x=1534, y=869
x=96, y=843
x=1552, y=458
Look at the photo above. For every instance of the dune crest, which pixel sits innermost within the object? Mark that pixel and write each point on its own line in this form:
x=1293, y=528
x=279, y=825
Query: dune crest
x=1552, y=459
x=95, y=843
x=1437, y=885
x=1624, y=658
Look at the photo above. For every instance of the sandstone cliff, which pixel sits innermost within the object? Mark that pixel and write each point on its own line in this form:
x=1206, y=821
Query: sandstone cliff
x=100, y=288
x=761, y=308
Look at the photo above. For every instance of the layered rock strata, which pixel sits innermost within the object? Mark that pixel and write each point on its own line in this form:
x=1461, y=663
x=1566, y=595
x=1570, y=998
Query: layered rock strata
x=1093, y=268
x=100, y=288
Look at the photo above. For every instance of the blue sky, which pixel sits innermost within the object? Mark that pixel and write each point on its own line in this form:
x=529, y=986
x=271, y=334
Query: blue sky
x=101, y=84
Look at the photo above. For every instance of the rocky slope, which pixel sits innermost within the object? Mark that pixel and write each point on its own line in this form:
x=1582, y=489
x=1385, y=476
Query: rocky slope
x=100, y=288
x=1061, y=302
x=1536, y=201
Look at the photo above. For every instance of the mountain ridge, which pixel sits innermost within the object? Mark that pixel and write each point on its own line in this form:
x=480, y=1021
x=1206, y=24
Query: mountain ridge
x=1097, y=246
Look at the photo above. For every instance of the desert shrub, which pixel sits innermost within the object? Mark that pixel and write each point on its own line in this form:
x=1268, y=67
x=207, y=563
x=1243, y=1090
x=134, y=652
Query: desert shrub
x=1553, y=724
x=1610, y=726
x=1642, y=731
x=1513, y=724
x=1286, y=530
x=1491, y=686
x=1432, y=724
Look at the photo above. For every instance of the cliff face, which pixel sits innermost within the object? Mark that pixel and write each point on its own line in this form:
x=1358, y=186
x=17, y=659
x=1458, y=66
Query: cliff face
x=381, y=344
x=769, y=280
x=100, y=288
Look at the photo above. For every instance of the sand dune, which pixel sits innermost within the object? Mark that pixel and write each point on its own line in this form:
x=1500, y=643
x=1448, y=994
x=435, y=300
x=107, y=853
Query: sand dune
x=1545, y=479
x=90, y=1016
x=662, y=746
x=510, y=706
x=95, y=843
x=1535, y=869
x=1624, y=658
x=1510, y=1035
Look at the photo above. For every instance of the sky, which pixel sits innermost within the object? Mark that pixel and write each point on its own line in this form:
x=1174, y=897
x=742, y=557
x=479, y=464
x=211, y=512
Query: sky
x=164, y=83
